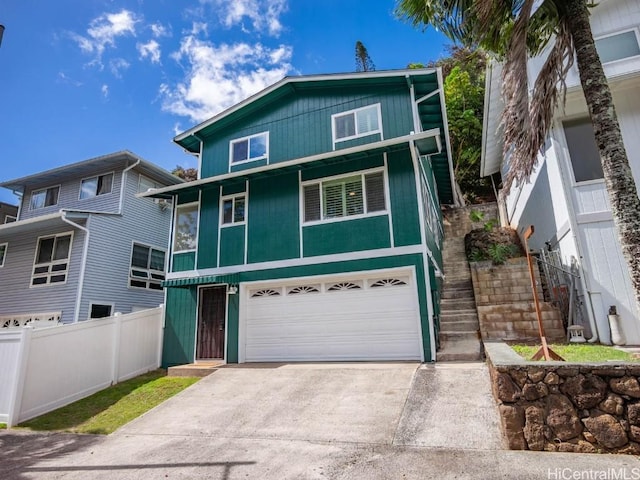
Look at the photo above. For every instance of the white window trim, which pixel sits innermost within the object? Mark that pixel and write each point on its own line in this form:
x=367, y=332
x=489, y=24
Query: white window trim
x=175, y=217
x=7, y=217
x=140, y=177
x=248, y=160
x=620, y=32
x=233, y=212
x=4, y=255
x=68, y=261
x=567, y=155
x=92, y=303
x=357, y=135
x=360, y=173
x=130, y=277
x=96, y=194
x=33, y=192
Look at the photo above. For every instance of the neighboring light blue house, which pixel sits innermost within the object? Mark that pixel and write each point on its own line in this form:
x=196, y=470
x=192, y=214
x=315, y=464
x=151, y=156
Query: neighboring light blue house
x=83, y=246
x=314, y=231
x=8, y=213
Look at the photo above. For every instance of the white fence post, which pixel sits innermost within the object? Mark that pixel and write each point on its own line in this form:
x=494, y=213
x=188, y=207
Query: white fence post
x=117, y=334
x=21, y=373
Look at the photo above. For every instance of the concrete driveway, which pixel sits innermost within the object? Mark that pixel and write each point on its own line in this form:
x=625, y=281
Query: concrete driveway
x=304, y=421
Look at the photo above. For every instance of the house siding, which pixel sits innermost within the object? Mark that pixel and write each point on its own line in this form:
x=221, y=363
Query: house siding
x=310, y=133
x=208, y=233
x=16, y=294
x=69, y=197
x=109, y=257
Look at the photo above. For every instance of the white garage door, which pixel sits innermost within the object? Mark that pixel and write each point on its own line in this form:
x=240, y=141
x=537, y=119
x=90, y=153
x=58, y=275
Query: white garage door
x=345, y=318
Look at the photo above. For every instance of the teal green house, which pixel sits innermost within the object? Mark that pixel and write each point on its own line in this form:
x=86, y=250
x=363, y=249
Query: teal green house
x=314, y=231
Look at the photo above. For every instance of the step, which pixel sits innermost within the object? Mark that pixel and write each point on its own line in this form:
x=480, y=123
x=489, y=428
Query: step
x=460, y=351
x=455, y=266
x=463, y=336
x=200, y=369
x=459, y=326
x=453, y=293
x=457, y=316
x=462, y=302
x=458, y=283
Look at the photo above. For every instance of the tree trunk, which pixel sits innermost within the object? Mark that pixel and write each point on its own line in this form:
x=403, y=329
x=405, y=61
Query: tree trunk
x=621, y=187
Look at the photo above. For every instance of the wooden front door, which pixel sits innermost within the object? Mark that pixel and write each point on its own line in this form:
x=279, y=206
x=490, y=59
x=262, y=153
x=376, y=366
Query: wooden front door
x=211, y=322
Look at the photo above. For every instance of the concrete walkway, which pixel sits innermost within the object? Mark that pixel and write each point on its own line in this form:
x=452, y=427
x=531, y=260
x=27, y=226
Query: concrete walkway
x=307, y=421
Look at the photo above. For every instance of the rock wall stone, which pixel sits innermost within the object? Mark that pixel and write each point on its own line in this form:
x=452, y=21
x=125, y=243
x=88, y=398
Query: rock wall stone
x=584, y=408
x=504, y=300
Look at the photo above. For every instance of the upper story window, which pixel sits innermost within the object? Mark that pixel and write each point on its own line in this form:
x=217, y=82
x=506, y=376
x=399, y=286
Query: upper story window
x=147, y=267
x=3, y=253
x=356, y=123
x=94, y=186
x=46, y=197
x=145, y=184
x=10, y=218
x=248, y=149
x=233, y=210
x=185, y=235
x=583, y=151
x=51, y=264
x=343, y=197
x=618, y=46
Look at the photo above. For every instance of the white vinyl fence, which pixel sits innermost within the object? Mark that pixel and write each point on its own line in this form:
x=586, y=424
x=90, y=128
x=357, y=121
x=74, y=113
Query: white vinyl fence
x=44, y=369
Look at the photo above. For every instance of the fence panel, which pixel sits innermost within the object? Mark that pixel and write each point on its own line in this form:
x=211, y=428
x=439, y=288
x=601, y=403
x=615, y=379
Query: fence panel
x=52, y=367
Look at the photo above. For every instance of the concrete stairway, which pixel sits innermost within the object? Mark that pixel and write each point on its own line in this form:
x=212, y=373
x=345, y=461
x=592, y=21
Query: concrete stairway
x=459, y=327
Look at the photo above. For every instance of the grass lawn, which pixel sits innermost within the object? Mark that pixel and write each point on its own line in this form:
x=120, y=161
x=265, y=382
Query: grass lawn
x=579, y=352
x=107, y=410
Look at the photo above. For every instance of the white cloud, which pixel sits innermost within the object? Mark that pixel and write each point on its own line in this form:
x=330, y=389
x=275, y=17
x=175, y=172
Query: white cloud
x=103, y=31
x=150, y=50
x=105, y=90
x=160, y=30
x=64, y=78
x=264, y=15
x=219, y=76
x=117, y=65
x=199, y=27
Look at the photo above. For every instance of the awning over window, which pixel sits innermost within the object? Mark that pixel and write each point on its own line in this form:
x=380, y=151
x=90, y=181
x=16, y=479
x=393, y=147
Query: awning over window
x=186, y=282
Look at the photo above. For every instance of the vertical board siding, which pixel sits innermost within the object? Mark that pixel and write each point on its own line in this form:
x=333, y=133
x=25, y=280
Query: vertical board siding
x=404, y=206
x=207, y=229
x=346, y=236
x=232, y=245
x=274, y=218
x=365, y=163
x=10, y=346
x=109, y=259
x=233, y=311
x=16, y=293
x=183, y=262
x=69, y=197
x=180, y=326
x=301, y=126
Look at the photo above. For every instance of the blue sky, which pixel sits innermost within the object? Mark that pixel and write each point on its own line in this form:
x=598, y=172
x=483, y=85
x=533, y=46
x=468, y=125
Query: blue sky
x=79, y=79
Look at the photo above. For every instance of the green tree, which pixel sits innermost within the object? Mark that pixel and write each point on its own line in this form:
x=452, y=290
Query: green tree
x=514, y=30
x=187, y=174
x=363, y=61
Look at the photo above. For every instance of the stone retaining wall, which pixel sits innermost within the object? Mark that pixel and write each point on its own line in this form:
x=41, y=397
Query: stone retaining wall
x=505, y=305
x=558, y=406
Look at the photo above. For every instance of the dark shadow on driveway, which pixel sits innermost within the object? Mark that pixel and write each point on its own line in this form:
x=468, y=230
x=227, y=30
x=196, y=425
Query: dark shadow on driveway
x=20, y=450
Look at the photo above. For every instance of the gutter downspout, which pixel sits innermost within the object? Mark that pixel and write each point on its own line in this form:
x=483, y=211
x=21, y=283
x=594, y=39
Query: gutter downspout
x=83, y=264
x=124, y=184
x=199, y=154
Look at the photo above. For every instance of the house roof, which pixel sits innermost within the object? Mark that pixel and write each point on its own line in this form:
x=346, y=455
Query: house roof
x=37, y=224
x=427, y=143
x=92, y=166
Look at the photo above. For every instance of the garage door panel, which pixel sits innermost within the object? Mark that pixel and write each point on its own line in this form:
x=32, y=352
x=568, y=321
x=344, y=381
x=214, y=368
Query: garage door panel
x=365, y=323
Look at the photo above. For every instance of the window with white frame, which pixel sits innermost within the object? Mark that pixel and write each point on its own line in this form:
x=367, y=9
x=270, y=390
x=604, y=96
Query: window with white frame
x=356, y=123
x=45, y=197
x=3, y=253
x=249, y=149
x=100, y=310
x=51, y=264
x=94, y=186
x=185, y=235
x=618, y=46
x=147, y=267
x=233, y=209
x=346, y=196
x=145, y=184
x=10, y=218
x=583, y=151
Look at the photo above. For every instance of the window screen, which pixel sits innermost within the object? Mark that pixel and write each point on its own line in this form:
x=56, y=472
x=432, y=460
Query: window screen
x=581, y=142
x=617, y=47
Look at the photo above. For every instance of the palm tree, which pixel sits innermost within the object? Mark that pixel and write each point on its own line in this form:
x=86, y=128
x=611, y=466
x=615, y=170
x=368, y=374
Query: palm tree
x=515, y=29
